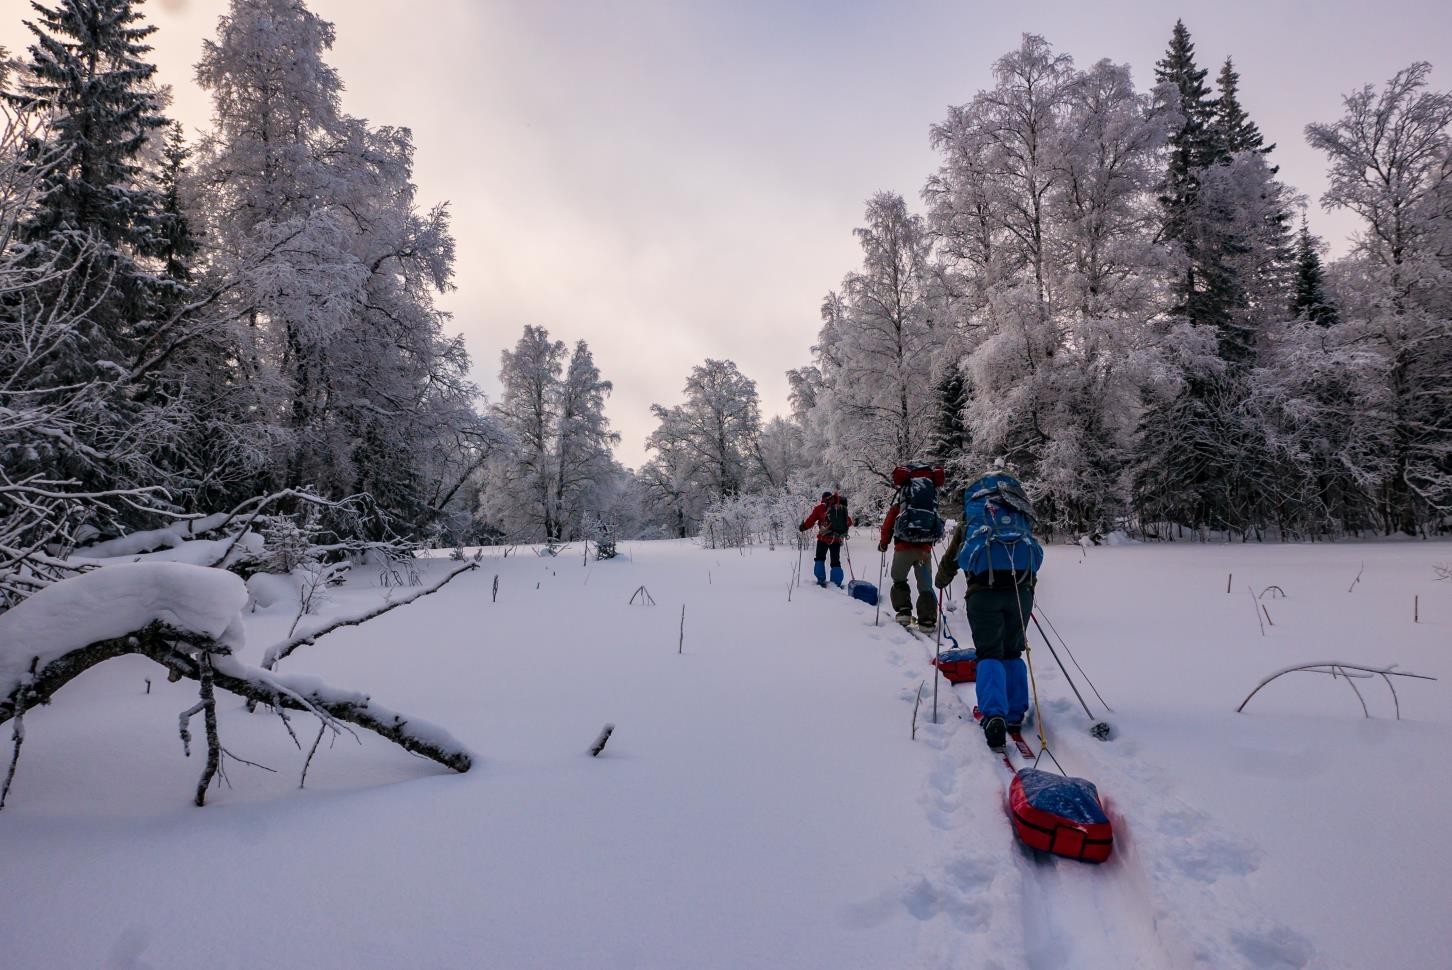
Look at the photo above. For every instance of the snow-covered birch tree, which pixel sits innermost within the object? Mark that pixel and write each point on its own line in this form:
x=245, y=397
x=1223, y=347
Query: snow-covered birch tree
x=875, y=352
x=1391, y=164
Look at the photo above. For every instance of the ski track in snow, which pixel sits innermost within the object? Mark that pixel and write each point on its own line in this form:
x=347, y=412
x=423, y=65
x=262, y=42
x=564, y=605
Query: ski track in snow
x=1074, y=914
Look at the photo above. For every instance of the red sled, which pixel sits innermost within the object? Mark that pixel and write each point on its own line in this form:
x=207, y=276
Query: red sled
x=1061, y=815
x=902, y=473
x=960, y=666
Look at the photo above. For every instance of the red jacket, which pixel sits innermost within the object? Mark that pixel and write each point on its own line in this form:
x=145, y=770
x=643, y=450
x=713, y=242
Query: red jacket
x=900, y=546
x=818, y=518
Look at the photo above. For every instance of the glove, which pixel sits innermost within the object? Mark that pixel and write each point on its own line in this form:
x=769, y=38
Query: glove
x=942, y=580
x=882, y=547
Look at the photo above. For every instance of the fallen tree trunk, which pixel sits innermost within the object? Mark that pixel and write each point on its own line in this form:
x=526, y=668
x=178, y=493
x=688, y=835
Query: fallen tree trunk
x=161, y=643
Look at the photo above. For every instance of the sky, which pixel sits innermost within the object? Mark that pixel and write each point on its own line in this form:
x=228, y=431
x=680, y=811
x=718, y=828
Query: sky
x=674, y=181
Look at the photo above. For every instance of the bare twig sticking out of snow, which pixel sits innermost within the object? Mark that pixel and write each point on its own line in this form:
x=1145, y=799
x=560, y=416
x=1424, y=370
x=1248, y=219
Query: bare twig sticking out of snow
x=645, y=598
x=287, y=647
x=1349, y=671
x=494, y=594
x=916, y=704
x=1357, y=579
x=681, y=645
x=18, y=736
x=599, y=744
x=1443, y=570
x=1256, y=605
x=317, y=577
x=303, y=781
x=1280, y=593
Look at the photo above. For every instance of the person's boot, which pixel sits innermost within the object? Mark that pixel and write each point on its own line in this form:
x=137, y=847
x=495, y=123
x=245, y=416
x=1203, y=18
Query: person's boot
x=929, y=625
x=837, y=576
x=906, y=619
x=995, y=732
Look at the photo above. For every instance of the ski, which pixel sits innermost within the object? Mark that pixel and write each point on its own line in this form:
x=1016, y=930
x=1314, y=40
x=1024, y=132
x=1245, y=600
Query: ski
x=1002, y=751
x=1017, y=739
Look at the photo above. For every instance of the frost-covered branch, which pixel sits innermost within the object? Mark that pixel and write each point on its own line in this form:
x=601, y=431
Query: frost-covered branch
x=185, y=618
x=177, y=650
x=288, y=647
x=1349, y=671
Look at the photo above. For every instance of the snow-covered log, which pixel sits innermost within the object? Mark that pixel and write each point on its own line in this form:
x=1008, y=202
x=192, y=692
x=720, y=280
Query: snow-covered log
x=186, y=618
x=176, y=650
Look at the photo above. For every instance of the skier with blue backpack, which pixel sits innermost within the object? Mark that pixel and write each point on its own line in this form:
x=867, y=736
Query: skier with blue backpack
x=995, y=547
x=913, y=526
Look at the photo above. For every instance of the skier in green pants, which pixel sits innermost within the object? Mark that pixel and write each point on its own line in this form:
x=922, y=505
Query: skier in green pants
x=913, y=526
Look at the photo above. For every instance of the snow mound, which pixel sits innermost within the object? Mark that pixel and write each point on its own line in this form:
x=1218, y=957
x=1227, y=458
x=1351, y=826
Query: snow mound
x=117, y=600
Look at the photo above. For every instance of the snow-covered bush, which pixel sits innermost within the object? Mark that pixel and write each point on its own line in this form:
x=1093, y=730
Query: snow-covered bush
x=748, y=520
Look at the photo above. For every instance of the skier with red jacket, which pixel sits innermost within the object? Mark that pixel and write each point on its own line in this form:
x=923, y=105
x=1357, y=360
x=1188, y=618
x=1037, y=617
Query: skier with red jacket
x=833, y=523
x=913, y=526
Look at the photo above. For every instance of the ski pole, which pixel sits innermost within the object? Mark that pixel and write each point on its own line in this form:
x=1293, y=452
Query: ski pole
x=1088, y=712
x=881, y=567
x=938, y=657
x=1033, y=680
x=847, y=548
x=1039, y=610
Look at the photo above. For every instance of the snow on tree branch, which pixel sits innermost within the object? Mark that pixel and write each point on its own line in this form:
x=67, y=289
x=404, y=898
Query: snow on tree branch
x=185, y=618
x=308, y=637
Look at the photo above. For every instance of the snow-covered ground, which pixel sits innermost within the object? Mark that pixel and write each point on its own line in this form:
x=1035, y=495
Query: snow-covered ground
x=760, y=803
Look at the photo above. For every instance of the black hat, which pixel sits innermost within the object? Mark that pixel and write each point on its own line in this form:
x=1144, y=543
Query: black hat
x=826, y=495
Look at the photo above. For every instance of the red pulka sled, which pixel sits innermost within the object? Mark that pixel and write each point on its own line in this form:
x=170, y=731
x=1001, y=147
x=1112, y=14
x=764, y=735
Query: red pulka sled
x=1062, y=815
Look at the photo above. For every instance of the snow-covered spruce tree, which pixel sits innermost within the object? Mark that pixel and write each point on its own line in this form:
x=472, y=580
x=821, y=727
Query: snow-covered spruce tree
x=1226, y=218
x=1311, y=300
x=950, y=442
x=95, y=223
x=86, y=72
x=1319, y=407
x=43, y=510
x=875, y=352
x=1391, y=164
x=1233, y=131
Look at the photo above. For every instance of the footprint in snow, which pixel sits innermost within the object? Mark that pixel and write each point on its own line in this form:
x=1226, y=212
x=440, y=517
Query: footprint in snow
x=1277, y=948
x=1203, y=854
x=925, y=899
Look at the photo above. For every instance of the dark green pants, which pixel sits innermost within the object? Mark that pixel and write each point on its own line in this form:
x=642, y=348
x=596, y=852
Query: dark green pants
x=998, y=618
x=920, y=564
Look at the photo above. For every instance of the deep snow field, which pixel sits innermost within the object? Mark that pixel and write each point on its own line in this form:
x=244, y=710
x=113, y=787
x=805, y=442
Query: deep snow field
x=760, y=804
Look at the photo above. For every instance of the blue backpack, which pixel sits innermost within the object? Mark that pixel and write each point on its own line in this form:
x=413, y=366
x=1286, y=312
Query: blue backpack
x=998, y=529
